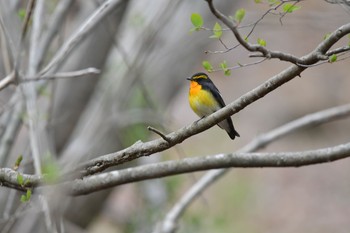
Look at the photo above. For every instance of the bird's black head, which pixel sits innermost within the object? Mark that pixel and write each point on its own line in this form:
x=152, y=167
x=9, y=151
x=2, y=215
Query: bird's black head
x=199, y=77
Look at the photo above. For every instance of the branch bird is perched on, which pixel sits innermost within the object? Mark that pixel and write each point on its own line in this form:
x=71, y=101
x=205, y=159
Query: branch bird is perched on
x=205, y=99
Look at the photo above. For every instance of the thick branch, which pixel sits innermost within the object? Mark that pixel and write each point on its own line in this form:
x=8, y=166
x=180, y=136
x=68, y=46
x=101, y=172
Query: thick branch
x=8, y=177
x=244, y=160
x=170, y=221
x=140, y=149
x=144, y=149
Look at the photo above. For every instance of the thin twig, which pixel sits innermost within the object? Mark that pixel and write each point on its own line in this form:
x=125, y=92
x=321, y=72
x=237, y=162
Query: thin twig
x=55, y=23
x=103, y=11
x=338, y=50
x=63, y=75
x=159, y=133
x=241, y=65
x=8, y=80
x=317, y=55
x=29, y=91
x=28, y=15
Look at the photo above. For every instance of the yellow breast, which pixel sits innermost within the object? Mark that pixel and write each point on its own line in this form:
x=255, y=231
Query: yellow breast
x=201, y=101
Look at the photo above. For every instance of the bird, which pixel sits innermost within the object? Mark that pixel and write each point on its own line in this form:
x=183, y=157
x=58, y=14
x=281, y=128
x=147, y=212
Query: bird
x=205, y=99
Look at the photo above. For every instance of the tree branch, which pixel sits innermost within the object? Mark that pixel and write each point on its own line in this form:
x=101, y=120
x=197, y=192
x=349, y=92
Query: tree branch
x=318, y=54
x=8, y=177
x=62, y=75
x=170, y=221
x=103, y=11
x=140, y=149
x=55, y=23
x=240, y=159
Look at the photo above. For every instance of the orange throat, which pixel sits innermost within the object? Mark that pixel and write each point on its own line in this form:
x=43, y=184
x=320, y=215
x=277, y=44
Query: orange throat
x=194, y=88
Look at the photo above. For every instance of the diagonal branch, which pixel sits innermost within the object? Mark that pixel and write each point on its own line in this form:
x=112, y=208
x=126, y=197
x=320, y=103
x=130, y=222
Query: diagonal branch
x=140, y=149
x=8, y=177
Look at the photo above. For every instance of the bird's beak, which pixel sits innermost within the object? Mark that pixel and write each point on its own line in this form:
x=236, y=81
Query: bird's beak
x=189, y=78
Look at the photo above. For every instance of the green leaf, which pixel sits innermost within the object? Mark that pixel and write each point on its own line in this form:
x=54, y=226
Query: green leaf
x=50, y=170
x=29, y=194
x=223, y=65
x=239, y=15
x=18, y=162
x=21, y=14
x=20, y=179
x=261, y=42
x=273, y=2
x=217, y=30
x=289, y=8
x=333, y=58
x=207, y=66
x=26, y=197
x=197, y=21
x=258, y=1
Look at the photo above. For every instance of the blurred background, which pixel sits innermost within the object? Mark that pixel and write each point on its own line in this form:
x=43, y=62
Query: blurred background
x=145, y=51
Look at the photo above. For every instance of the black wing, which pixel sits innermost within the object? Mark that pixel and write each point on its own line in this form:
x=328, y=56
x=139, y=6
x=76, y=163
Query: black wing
x=226, y=124
x=215, y=92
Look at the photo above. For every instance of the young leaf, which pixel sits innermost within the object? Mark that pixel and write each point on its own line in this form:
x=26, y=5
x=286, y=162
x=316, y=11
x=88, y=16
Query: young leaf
x=217, y=30
x=273, y=2
x=20, y=179
x=223, y=65
x=21, y=13
x=207, y=66
x=23, y=198
x=289, y=8
x=50, y=170
x=239, y=15
x=333, y=58
x=261, y=42
x=197, y=21
x=258, y=1
x=26, y=197
x=18, y=162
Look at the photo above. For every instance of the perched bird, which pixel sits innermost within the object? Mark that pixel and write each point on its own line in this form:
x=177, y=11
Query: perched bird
x=205, y=99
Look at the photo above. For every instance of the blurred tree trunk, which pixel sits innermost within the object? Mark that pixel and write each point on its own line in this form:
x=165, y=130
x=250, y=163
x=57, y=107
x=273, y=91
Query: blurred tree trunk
x=144, y=61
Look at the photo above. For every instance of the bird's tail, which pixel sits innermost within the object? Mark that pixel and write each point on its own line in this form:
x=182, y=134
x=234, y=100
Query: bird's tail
x=233, y=133
x=227, y=125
